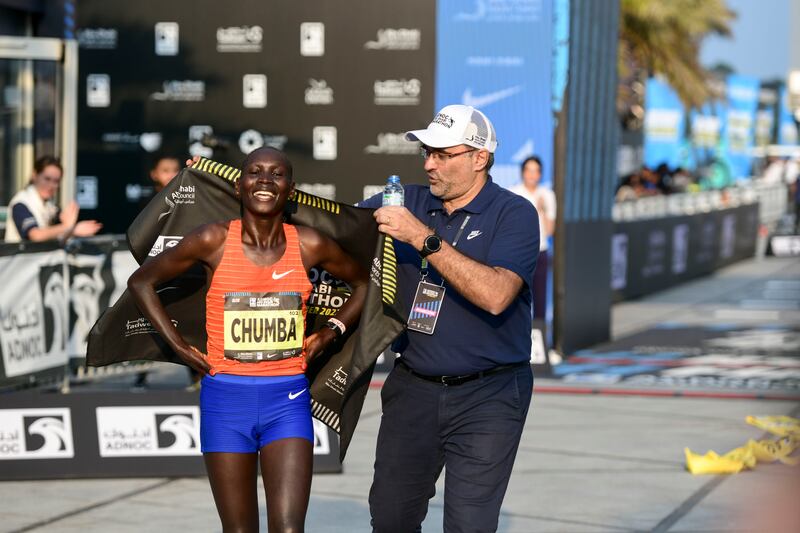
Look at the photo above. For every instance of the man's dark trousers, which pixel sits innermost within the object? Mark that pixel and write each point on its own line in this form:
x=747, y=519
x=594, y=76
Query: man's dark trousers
x=473, y=429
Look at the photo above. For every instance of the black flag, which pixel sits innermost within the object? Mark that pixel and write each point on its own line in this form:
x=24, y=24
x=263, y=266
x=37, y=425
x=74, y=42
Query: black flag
x=204, y=193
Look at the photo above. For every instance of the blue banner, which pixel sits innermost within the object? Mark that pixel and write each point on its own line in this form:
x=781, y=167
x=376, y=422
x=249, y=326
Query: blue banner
x=740, y=124
x=496, y=56
x=663, y=125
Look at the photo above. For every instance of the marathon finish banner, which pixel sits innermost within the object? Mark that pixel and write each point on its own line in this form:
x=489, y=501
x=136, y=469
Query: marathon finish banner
x=334, y=87
x=114, y=434
x=205, y=193
x=653, y=254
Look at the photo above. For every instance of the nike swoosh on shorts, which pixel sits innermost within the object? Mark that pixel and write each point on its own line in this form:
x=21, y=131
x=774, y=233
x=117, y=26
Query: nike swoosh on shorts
x=293, y=395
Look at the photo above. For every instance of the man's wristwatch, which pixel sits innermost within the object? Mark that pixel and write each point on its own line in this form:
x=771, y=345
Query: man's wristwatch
x=431, y=245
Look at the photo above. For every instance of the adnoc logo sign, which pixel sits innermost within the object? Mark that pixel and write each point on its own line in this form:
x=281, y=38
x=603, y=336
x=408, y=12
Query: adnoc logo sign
x=36, y=434
x=148, y=430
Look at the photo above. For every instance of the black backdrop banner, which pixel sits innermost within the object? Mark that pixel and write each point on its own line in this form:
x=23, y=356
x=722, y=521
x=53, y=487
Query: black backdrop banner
x=334, y=86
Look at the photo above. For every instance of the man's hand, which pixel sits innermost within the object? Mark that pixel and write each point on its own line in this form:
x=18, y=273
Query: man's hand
x=192, y=161
x=399, y=223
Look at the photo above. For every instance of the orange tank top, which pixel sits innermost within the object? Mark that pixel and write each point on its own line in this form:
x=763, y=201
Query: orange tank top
x=255, y=316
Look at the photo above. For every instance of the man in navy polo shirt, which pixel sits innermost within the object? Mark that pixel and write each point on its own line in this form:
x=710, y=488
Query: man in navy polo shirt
x=459, y=394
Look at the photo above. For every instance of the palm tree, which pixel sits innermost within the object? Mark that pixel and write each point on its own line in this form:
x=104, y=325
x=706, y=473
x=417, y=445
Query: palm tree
x=662, y=37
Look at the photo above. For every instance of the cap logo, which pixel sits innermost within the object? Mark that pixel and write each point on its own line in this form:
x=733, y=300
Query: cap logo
x=443, y=120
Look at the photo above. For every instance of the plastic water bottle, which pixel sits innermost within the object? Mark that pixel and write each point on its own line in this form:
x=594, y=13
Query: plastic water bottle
x=393, y=192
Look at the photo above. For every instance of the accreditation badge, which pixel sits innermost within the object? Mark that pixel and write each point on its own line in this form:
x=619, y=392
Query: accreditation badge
x=426, y=308
x=263, y=326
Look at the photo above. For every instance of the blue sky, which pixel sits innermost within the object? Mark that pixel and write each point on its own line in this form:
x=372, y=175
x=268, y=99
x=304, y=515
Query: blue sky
x=760, y=43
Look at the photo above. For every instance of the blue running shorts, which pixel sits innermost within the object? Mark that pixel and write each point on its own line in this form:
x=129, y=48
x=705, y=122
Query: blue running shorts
x=242, y=414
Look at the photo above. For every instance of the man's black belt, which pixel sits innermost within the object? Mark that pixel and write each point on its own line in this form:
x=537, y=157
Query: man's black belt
x=458, y=380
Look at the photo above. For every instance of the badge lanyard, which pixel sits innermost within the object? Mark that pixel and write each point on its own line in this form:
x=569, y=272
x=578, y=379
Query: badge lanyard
x=423, y=270
x=428, y=300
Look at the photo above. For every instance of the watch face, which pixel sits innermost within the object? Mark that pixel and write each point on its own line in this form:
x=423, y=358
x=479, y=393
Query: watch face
x=433, y=243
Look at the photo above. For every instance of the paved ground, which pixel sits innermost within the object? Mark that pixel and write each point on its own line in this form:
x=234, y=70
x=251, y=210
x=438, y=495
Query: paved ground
x=587, y=463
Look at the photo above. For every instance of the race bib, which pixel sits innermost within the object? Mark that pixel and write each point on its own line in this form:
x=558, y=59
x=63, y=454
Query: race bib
x=263, y=326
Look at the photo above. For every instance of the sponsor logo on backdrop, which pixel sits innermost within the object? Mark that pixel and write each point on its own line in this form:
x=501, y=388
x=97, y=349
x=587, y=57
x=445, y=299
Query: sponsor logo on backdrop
x=528, y=148
x=34, y=323
x=90, y=294
x=98, y=90
x=196, y=146
x=728, y=237
x=86, y=191
x=395, y=39
x=323, y=190
x=254, y=90
x=495, y=61
x=149, y=141
x=371, y=190
x=501, y=11
x=97, y=38
x=148, y=430
x=164, y=242
x=656, y=253
x=135, y=192
x=324, y=140
x=181, y=91
x=54, y=315
x=740, y=124
x=167, y=38
x=397, y=92
x=705, y=131
x=322, y=443
x=251, y=140
x=36, y=433
x=312, y=39
x=240, y=39
x=392, y=144
x=619, y=261
x=708, y=235
x=318, y=93
x=482, y=100
x=663, y=124
x=680, y=248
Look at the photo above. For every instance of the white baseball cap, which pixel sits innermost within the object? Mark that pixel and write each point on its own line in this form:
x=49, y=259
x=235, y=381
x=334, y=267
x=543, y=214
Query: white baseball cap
x=457, y=124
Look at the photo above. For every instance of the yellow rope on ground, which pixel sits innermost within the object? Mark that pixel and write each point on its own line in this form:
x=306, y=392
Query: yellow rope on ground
x=747, y=456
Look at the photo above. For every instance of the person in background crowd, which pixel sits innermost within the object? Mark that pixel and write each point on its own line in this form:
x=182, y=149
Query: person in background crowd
x=255, y=405
x=164, y=170
x=33, y=214
x=630, y=188
x=681, y=180
x=459, y=394
x=544, y=200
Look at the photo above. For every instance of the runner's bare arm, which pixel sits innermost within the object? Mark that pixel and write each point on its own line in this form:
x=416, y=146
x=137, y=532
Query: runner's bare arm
x=205, y=245
x=319, y=250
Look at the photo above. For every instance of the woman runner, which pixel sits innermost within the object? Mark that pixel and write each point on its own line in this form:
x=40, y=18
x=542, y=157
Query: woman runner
x=254, y=401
